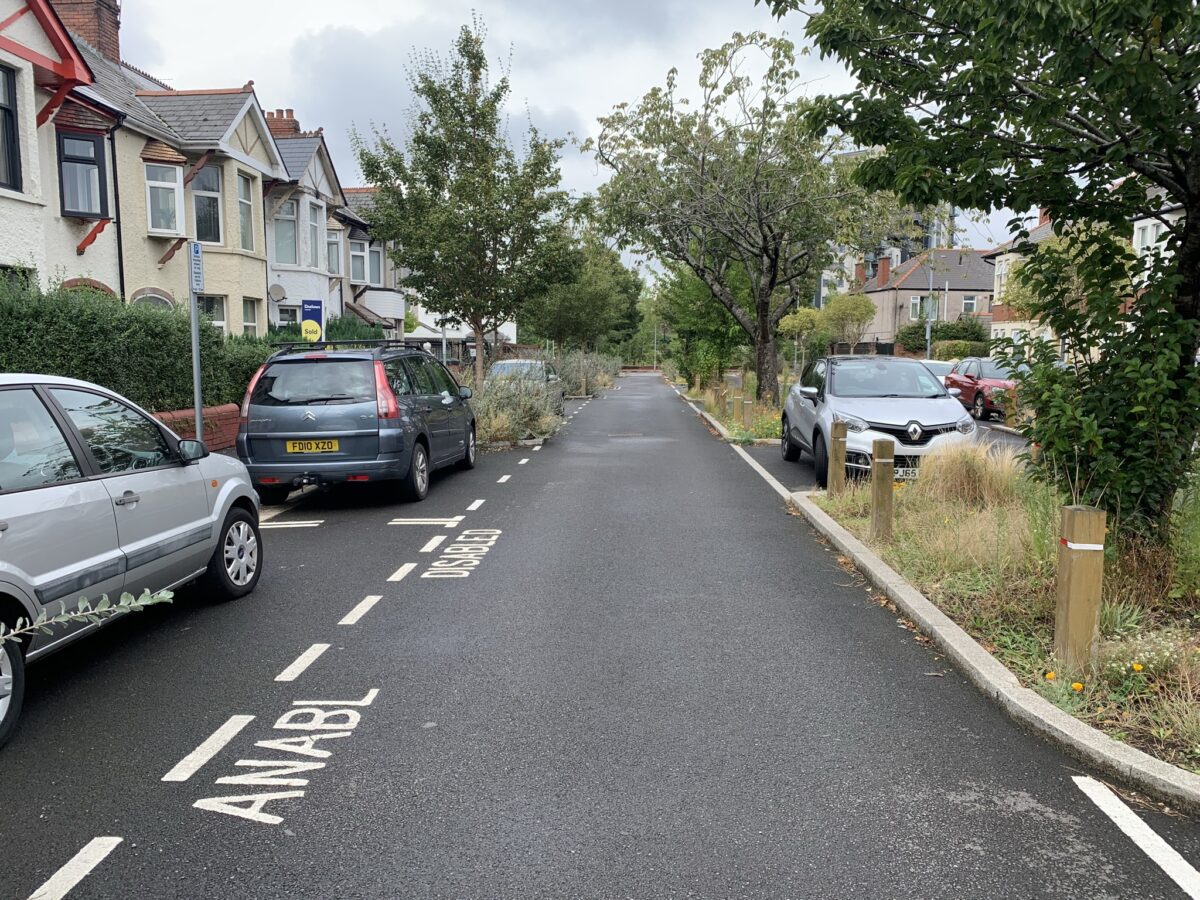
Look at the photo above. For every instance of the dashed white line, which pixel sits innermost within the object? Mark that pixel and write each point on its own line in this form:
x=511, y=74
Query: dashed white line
x=1163, y=854
x=210, y=747
x=452, y=522
x=399, y=574
x=433, y=543
x=313, y=524
x=303, y=661
x=502, y=479
x=537, y=448
x=522, y=462
x=76, y=869
x=474, y=506
x=361, y=609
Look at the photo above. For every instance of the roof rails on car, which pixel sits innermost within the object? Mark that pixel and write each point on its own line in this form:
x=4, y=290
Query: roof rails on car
x=287, y=347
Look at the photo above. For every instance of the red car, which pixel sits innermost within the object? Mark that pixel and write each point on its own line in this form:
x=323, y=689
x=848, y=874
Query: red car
x=983, y=383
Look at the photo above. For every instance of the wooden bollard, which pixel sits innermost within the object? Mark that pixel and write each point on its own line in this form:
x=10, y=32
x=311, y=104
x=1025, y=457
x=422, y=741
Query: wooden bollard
x=748, y=413
x=1080, y=584
x=837, y=459
x=729, y=407
x=883, y=478
x=737, y=411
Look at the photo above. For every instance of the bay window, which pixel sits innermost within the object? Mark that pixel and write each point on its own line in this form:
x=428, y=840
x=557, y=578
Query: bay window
x=358, y=261
x=250, y=315
x=246, y=210
x=10, y=147
x=206, y=201
x=333, y=250
x=213, y=307
x=376, y=266
x=81, y=180
x=164, y=199
x=316, y=217
x=285, y=233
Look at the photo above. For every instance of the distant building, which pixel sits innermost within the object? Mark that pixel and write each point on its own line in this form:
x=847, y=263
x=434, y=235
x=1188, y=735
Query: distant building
x=962, y=281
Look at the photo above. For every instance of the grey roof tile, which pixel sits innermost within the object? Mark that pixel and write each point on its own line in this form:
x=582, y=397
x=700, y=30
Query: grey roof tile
x=964, y=269
x=116, y=88
x=297, y=152
x=197, y=118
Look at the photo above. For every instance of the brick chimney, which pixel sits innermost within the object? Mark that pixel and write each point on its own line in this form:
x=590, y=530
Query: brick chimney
x=884, y=269
x=860, y=273
x=96, y=21
x=1043, y=215
x=282, y=122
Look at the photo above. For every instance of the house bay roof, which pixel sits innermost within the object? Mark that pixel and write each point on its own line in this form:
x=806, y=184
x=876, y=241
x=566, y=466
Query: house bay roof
x=198, y=117
x=360, y=199
x=297, y=153
x=964, y=269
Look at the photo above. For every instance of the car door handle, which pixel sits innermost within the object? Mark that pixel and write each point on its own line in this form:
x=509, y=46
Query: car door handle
x=424, y=409
x=127, y=499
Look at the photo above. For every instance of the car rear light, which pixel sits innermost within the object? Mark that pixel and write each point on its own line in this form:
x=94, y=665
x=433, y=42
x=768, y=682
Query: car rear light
x=244, y=417
x=268, y=481
x=388, y=407
x=314, y=356
x=357, y=477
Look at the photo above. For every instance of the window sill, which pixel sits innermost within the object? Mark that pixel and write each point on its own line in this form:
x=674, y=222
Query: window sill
x=10, y=194
x=165, y=235
x=87, y=217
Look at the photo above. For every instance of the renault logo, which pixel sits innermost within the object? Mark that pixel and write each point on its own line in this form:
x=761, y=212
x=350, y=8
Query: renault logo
x=915, y=431
x=310, y=416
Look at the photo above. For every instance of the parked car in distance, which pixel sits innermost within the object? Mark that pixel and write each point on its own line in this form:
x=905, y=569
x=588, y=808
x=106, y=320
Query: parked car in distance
x=98, y=498
x=353, y=411
x=533, y=370
x=877, y=397
x=939, y=368
x=982, y=383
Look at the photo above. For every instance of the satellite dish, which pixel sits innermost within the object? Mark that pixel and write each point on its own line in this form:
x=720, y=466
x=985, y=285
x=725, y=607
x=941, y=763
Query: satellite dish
x=277, y=293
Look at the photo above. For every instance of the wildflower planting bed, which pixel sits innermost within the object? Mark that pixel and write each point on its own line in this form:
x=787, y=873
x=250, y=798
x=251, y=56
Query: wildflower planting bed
x=979, y=538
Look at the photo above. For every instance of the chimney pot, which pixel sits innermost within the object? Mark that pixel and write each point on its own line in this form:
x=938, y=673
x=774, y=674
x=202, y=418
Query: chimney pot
x=291, y=114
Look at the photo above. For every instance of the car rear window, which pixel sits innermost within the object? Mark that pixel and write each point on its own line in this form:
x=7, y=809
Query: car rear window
x=304, y=382
x=517, y=368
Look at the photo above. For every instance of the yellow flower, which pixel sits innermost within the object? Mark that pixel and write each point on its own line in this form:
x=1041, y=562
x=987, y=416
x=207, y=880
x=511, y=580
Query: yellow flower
x=1077, y=686
x=1049, y=676
x=1137, y=667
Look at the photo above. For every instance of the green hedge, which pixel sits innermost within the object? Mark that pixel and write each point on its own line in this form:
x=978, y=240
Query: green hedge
x=958, y=349
x=140, y=351
x=912, y=337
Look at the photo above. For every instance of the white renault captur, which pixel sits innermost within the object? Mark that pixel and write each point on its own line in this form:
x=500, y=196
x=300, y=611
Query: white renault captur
x=877, y=397
x=97, y=497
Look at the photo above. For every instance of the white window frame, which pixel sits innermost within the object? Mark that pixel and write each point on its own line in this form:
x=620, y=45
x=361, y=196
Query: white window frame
x=915, y=302
x=333, y=251
x=245, y=205
x=362, y=255
x=250, y=323
x=974, y=300
x=289, y=315
x=222, y=322
x=180, y=206
x=372, y=254
x=218, y=194
x=295, y=214
x=316, y=218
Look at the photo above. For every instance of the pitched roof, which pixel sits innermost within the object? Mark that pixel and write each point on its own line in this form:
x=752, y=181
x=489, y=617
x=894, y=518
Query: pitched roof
x=297, y=152
x=360, y=199
x=198, y=117
x=117, y=89
x=964, y=269
x=1036, y=236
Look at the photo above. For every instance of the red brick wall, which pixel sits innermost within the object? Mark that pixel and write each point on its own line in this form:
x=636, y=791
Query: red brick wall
x=96, y=21
x=220, y=424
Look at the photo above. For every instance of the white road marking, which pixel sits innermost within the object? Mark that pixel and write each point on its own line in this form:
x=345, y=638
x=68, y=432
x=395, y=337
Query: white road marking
x=433, y=544
x=212, y=745
x=452, y=522
x=1163, y=854
x=76, y=869
x=522, y=462
x=399, y=574
x=303, y=661
x=474, y=506
x=502, y=479
x=364, y=606
x=312, y=524
x=537, y=448
x=767, y=476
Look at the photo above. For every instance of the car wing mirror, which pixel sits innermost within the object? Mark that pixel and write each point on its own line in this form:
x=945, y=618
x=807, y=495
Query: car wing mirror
x=811, y=393
x=465, y=392
x=192, y=451
x=954, y=392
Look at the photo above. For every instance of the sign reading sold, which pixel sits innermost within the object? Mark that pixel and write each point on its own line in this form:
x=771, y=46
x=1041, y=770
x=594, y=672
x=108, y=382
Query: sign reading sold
x=312, y=319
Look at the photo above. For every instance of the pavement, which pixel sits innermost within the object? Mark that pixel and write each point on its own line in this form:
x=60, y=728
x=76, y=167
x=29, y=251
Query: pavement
x=654, y=681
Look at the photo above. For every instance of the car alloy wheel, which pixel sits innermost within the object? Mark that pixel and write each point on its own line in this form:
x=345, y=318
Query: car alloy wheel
x=241, y=553
x=471, y=446
x=7, y=678
x=420, y=470
x=977, y=408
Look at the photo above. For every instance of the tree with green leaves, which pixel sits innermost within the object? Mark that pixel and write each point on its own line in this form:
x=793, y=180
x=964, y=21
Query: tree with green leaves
x=847, y=316
x=737, y=182
x=479, y=228
x=803, y=326
x=1090, y=109
x=705, y=339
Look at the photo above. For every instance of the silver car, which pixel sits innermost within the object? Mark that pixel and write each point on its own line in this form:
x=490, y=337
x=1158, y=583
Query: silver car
x=98, y=498
x=877, y=397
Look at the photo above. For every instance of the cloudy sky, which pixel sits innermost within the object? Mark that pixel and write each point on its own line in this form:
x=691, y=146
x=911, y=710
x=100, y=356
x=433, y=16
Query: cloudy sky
x=342, y=64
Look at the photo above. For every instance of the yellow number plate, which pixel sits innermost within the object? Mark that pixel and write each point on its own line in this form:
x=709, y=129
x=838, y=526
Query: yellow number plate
x=330, y=446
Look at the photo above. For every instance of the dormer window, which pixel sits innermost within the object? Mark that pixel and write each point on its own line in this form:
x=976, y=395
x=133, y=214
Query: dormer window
x=81, y=181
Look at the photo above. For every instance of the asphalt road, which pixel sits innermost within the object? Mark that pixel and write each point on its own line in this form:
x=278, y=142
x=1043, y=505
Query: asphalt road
x=653, y=682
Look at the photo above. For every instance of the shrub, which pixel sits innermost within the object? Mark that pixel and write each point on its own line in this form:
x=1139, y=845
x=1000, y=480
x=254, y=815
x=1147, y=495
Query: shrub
x=514, y=409
x=600, y=370
x=951, y=349
x=968, y=329
x=343, y=328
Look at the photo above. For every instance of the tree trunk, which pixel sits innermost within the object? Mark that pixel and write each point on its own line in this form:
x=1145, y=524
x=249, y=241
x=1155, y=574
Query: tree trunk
x=766, y=363
x=480, y=349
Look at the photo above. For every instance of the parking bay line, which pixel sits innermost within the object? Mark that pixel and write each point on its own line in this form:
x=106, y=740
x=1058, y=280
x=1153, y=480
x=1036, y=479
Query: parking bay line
x=363, y=607
x=522, y=462
x=502, y=479
x=76, y=868
x=212, y=745
x=451, y=522
x=537, y=448
x=303, y=661
x=1147, y=840
x=474, y=506
x=310, y=524
x=399, y=574
x=433, y=543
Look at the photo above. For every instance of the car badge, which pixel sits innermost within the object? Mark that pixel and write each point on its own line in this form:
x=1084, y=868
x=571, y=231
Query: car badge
x=310, y=416
x=915, y=431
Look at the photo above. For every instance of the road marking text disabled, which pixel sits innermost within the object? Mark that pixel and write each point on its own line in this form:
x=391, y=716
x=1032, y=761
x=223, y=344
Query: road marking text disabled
x=459, y=559
x=306, y=725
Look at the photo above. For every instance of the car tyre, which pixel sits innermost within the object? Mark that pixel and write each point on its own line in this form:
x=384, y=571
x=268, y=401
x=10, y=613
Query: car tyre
x=273, y=494
x=416, y=483
x=237, y=562
x=820, y=461
x=468, y=460
x=978, y=408
x=12, y=681
x=791, y=452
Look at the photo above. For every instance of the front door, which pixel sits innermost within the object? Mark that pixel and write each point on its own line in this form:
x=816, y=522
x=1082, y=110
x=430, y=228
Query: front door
x=58, y=533
x=161, y=506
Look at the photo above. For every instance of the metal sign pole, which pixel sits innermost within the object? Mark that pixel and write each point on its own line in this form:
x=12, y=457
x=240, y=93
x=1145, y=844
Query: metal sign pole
x=196, y=279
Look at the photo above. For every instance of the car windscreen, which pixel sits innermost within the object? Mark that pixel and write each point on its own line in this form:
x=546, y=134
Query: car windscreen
x=993, y=369
x=518, y=367
x=306, y=382
x=882, y=378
